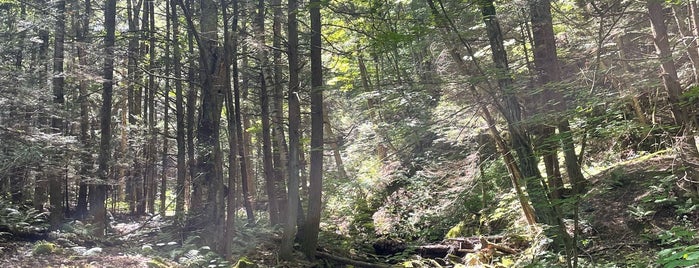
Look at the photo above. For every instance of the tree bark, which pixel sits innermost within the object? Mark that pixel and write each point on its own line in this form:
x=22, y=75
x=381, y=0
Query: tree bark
x=286, y=248
x=166, y=115
x=312, y=224
x=81, y=23
x=179, y=114
x=667, y=64
x=57, y=123
x=279, y=148
x=99, y=190
x=267, y=163
x=230, y=47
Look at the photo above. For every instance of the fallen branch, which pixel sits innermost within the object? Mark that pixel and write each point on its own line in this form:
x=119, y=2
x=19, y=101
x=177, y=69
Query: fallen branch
x=499, y=247
x=349, y=261
x=442, y=250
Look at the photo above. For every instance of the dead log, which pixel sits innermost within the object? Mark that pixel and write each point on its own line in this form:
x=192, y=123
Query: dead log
x=349, y=261
x=439, y=251
x=499, y=247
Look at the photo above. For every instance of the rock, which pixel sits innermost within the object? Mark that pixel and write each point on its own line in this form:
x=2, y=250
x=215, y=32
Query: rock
x=93, y=251
x=389, y=246
x=79, y=250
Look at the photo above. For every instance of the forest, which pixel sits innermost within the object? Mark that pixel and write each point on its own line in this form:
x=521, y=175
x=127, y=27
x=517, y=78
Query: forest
x=349, y=133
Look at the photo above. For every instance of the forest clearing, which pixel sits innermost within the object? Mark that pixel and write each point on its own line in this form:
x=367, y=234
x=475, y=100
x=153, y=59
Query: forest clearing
x=340, y=133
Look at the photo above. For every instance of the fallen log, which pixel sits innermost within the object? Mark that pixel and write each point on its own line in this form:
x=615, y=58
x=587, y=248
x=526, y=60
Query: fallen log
x=439, y=251
x=349, y=261
x=499, y=247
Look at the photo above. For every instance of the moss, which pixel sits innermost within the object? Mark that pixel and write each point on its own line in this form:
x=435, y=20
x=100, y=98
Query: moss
x=156, y=263
x=45, y=248
x=244, y=262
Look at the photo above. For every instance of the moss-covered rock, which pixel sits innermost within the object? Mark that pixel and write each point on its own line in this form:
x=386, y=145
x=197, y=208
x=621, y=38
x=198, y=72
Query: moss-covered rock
x=45, y=248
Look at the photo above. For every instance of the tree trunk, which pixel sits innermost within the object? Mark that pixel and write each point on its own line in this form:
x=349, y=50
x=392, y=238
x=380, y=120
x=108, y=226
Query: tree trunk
x=179, y=114
x=81, y=22
x=267, y=165
x=691, y=45
x=57, y=124
x=312, y=224
x=190, y=121
x=149, y=113
x=334, y=144
x=279, y=148
x=166, y=115
x=667, y=65
x=99, y=190
x=286, y=248
x=247, y=181
x=230, y=52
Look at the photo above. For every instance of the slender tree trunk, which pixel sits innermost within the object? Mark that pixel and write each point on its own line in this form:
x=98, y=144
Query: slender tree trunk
x=692, y=52
x=81, y=24
x=166, y=116
x=99, y=190
x=548, y=72
x=149, y=113
x=179, y=114
x=312, y=225
x=279, y=149
x=286, y=249
x=267, y=165
x=334, y=144
x=243, y=150
x=230, y=57
x=662, y=47
x=190, y=194
x=57, y=124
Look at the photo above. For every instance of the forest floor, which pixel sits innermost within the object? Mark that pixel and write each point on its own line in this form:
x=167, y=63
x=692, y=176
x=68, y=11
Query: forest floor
x=629, y=212
x=623, y=217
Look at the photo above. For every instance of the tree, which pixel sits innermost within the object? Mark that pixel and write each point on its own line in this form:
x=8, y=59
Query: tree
x=179, y=115
x=80, y=25
x=55, y=185
x=99, y=191
x=671, y=82
x=310, y=239
x=230, y=58
x=286, y=248
x=264, y=114
x=279, y=146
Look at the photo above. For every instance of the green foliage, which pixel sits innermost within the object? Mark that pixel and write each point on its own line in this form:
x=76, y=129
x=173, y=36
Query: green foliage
x=21, y=219
x=156, y=263
x=682, y=256
x=244, y=262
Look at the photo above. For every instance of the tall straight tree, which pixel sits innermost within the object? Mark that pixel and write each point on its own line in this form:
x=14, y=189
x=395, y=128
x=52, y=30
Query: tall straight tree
x=243, y=137
x=548, y=73
x=58, y=81
x=179, y=115
x=312, y=224
x=279, y=148
x=80, y=25
x=230, y=58
x=149, y=185
x=99, y=190
x=207, y=181
x=264, y=114
x=286, y=249
x=166, y=115
x=133, y=187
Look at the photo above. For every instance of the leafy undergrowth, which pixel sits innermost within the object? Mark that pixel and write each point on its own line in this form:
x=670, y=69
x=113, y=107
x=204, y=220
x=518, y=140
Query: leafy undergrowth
x=637, y=215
